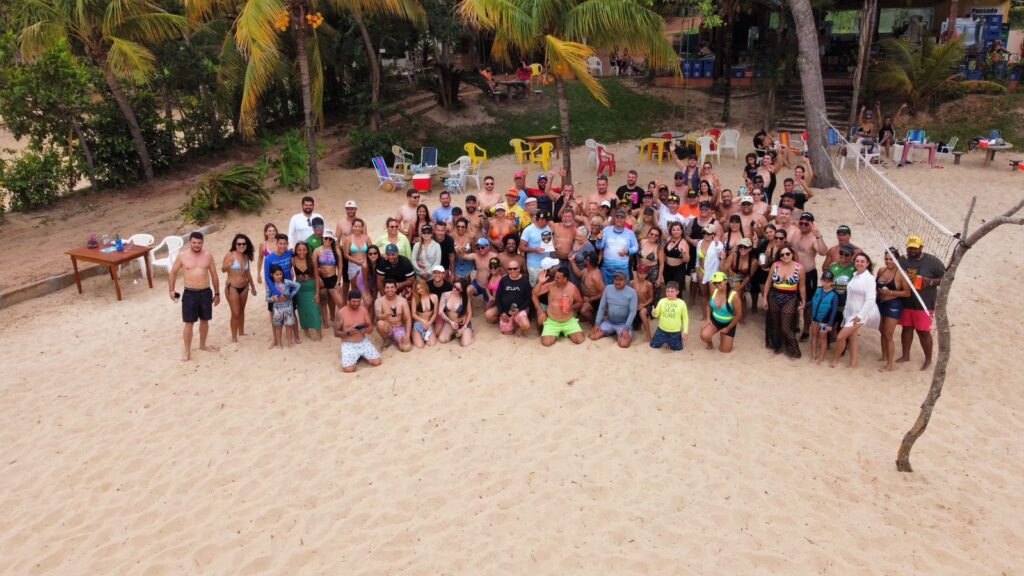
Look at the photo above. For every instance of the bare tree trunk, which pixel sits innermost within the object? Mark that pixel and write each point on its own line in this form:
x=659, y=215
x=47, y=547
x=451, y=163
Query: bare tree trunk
x=371, y=55
x=809, y=63
x=942, y=319
x=565, y=142
x=727, y=63
x=307, y=99
x=867, y=35
x=129, y=116
x=90, y=163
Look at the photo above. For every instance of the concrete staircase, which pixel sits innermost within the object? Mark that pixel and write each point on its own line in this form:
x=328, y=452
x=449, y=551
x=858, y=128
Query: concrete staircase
x=837, y=105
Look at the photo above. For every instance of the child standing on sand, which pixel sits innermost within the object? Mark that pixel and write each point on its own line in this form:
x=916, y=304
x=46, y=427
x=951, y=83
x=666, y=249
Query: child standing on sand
x=279, y=295
x=824, y=308
x=673, y=320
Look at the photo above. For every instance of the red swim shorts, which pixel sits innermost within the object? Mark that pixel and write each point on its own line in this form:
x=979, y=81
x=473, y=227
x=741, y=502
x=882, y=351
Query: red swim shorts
x=919, y=320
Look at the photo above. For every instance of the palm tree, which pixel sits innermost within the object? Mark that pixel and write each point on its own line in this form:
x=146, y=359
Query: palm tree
x=111, y=33
x=921, y=75
x=567, y=32
x=809, y=63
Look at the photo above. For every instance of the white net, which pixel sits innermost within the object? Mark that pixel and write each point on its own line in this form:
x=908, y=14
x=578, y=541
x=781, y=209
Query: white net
x=892, y=215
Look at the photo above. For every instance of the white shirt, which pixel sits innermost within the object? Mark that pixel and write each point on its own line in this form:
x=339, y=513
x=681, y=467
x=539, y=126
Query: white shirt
x=860, y=301
x=666, y=217
x=713, y=253
x=300, y=227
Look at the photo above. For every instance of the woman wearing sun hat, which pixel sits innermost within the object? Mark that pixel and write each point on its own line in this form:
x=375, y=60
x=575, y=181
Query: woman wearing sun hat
x=723, y=313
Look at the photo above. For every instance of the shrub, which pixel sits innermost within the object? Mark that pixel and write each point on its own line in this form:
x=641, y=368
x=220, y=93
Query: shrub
x=32, y=180
x=368, y=144
x=239, y=187
x=288, y=156
x=116, y=158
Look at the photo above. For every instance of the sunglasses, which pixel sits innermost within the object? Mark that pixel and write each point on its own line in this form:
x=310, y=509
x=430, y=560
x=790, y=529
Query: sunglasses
x=513, y=268
x=805, y=223
x=785, y=253
x=241, y=243
x=492, y=266
x=392, y=225
x=488, y=183
x=780, y=237
x=744, y=247
x=416, y=197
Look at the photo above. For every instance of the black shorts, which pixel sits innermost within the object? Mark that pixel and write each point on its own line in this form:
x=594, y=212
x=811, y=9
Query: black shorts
x=330, y=282
x=196, y=305
x=719, y=324
x=810, y=284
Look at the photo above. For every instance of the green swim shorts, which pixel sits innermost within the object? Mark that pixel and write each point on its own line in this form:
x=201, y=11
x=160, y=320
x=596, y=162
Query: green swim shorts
x=554, y=328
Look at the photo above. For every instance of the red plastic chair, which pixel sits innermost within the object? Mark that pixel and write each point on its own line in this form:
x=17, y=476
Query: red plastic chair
x=716, y=134
x=605, y=159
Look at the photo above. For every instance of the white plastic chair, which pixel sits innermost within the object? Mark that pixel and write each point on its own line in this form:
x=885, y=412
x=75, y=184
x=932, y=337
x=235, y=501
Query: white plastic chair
x=705, y=144
x=471, y=173
x=730, y=140
x=140, y=239
x=859, y=154
x=594, y=63
x=173, y=245
x=591, y=146
x=455, y=182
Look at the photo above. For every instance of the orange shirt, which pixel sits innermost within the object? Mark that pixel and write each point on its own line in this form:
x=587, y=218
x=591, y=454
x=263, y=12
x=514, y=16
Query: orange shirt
x=689, y=211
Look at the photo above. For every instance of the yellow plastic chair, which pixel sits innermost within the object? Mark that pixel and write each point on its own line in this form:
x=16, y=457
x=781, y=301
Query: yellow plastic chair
x=522, y=150
x=476, y=154
x=536, y=71
x=541, y=154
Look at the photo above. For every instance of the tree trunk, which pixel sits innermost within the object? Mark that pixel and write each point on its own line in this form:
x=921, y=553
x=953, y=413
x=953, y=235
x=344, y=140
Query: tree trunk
x=867, y=36
x=565, y=142
x=727, y=64
x=129, y=116
x=169, y=116
x=371, y=55
x=942, y=319
x=307, y=99
x=813, y=91
x=90, y=163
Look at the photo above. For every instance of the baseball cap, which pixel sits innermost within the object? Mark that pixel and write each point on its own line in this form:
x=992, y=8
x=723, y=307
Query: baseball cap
x=678, y=174
x=606, y=204
x=542, y=177
x=542, y=215
x=330, y=234
x=846, y=249
x=351, y=204
x=745, y=242
x=915, y=242
x=843, y=229
x=705, y=204
x=747, y=200
x=719, y=277
x=391, y=249
x=512, y=192
x=318, y=221
x=620, y=274
x=518, y=175
x=548, y=263
x=483, y=242
x=426, y=229
x=828, y=275
x=499, y=207
x=807, y=216
x=437, y=268
x=673, y=198
x=691, y=193
x=620, y=213
x=531, y=200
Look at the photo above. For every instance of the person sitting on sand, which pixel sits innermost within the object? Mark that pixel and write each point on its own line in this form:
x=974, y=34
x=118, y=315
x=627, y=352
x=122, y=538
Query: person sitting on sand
x=353, y=327
x=455, y=314
x=198, y=300
x=424, y=312
x=559, y=319
x=394, y=322
x=280, y=291
x=616, y=312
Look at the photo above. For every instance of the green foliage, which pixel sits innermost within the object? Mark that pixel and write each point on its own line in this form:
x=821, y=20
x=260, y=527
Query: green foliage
x=117, y=160
x=32, y=179
x=288, y=157
x=1016, y=18
x=975, y=116
x=367, y=144
x=921, y=75
x=240, y=187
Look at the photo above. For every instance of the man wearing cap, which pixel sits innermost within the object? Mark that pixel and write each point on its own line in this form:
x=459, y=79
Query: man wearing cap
x=438, y=285
x=843, y=234
x=519, y=217
x=925, y=272
x=344, y=227
x=603, y=193
x=616, y=312
x=443, y=213
x=481, y=258
x=788, y=200
x=519, y=183
x=690, y=171
x=407, y=212
x=842, y=272
x=426, y=254
x=630, y=191
x=559, y=318
x=531, y=207
x=545, y=195
x=354, y=327
x=300, y=226
x=316, y=239
x=396, y=268
x=536, y=243
x=617, y=244
x=750, y=219
x=808, y=245
x=669, y=213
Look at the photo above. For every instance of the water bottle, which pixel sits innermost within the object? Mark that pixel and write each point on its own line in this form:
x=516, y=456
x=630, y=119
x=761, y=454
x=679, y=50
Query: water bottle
x=106, y=240
x=119, y=243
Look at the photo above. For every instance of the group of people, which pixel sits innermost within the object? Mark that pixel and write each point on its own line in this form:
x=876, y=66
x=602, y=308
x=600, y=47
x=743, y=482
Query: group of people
x=544, y=258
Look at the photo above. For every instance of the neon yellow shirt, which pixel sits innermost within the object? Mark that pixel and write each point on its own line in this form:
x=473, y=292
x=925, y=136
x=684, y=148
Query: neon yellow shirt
x=672, y=315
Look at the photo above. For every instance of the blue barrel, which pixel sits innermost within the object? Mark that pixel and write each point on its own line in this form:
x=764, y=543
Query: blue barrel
x=709, y=67
x=687, y=68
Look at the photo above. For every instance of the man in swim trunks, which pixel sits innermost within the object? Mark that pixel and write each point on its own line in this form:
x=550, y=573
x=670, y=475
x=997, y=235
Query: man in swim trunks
x=616, y=312
x=925, y=272
x=560, y=317
x=198, y=300
x=354, y=327
x=394, y=321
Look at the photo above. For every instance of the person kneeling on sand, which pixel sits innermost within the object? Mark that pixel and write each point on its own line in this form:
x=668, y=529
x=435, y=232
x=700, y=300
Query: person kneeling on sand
x=512, y=308
x=353, y=327
x=559, y=319
x=616, y=312
x=394, y=322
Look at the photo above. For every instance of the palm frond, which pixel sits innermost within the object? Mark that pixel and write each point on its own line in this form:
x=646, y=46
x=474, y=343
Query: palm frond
x=129, y=59
x=151, y=28
x=626, y=23
x=316, y=77
x=518, y=26
x=409, y=10
x=36, y=39
x=568, y=60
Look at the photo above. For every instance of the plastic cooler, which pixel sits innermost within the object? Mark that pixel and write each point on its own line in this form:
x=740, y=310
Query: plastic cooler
x=421, y=182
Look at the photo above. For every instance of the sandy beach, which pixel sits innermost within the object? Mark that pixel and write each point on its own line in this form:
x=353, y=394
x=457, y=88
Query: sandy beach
x=506, y=457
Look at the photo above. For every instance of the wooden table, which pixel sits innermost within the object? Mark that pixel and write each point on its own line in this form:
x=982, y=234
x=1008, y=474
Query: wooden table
x=554, y=139
x=990, y=152
x=111, y=260
x=521, y=86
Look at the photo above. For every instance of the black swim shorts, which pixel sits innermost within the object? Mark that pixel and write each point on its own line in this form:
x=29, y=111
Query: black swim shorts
x=196, y=305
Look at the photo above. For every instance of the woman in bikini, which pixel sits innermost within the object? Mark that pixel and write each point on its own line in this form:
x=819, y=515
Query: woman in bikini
x=706, y=192
x=424, y=312
x=370, y=294
x=457, y=311
x=784, y=299
x=892, y=289
x=677, y=256
x=723, y=314
x=237, y=264
x=739, y=267
x=734, y=233
x=328, y=262
x=499, y=226
x=355, y=247
x=651, y=258
x=463, y=240
x=268, y=245
x=497, y=273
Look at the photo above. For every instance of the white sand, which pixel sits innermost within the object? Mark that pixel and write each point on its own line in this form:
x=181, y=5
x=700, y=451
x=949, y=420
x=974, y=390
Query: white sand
x=507, y=457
